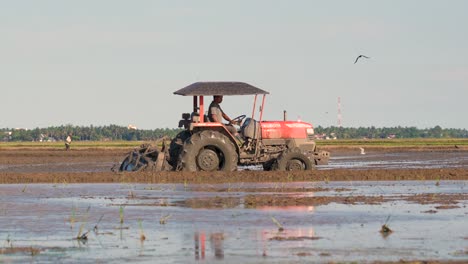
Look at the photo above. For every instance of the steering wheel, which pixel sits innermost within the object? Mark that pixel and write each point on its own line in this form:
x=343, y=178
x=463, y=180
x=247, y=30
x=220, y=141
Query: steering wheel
x=238, y=119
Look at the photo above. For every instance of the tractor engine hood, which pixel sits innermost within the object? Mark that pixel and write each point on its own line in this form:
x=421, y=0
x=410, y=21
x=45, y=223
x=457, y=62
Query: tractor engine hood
x=286, y=129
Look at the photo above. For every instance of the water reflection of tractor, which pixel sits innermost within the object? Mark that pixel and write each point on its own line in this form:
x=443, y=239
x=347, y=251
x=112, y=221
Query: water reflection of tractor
x=210, y=146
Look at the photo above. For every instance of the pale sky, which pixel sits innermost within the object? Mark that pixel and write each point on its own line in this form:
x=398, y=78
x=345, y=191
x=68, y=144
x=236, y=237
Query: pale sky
x=108, y=62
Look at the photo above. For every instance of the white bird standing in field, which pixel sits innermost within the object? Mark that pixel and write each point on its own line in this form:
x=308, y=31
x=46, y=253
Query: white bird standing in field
x=362, y=151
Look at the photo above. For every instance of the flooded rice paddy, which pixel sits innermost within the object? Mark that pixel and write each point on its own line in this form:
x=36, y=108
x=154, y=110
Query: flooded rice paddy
x=72, y=162
x=400, y=160
x=239, y=222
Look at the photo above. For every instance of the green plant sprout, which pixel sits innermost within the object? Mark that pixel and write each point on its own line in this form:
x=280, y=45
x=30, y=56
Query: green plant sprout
x=277, y=223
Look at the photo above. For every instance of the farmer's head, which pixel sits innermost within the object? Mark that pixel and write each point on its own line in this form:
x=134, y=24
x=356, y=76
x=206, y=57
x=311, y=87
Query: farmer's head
x=218, y=98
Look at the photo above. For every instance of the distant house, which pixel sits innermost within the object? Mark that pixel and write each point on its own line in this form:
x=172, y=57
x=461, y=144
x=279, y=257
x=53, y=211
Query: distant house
x=132, y=127
x=320, y=136
x=6, y=136
x=324, y=136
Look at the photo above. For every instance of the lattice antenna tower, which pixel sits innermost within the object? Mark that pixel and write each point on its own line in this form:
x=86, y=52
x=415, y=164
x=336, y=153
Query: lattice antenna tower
x=339, y=112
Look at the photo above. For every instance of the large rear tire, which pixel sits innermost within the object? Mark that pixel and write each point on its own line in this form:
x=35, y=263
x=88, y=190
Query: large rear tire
x=269, y=165
x=208, y=151
x=293, y=161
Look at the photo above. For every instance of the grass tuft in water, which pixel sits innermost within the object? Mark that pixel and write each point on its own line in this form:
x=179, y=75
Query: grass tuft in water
x=277, y=223
x=121, y=214
x=164, y=219
x=142, y=232
x=385, y=229
x=96, y=229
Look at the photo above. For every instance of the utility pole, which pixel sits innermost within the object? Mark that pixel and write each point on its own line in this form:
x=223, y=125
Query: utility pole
x=339, y=112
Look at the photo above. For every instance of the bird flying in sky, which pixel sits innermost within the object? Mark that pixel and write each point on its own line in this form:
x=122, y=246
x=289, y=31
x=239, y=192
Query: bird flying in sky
x=360, y=56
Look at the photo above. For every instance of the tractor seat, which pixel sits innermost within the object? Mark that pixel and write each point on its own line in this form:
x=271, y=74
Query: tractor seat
x=250, y=128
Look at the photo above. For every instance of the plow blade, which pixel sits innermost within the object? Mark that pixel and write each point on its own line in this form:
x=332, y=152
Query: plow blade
x=146, y=158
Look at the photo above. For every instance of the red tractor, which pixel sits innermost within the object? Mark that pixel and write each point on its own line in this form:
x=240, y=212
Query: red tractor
x=209, y=146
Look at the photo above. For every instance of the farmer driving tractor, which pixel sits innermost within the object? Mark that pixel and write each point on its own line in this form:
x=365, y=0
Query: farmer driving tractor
x=216, y=114
x=206, y=144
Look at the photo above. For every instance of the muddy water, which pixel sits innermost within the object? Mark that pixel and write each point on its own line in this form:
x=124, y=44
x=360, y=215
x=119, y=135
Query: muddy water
x=334, y=214
x=399, y=160
x=187, y=222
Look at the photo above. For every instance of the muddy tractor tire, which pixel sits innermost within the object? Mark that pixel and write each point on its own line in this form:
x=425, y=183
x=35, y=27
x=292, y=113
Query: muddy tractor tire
x=208, y=151
x=269, y=165
x=293, y=161
x=176, y=147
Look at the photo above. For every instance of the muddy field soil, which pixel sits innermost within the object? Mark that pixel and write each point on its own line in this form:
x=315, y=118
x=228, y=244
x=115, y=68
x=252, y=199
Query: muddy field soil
x=387, y=206
x=346, y=164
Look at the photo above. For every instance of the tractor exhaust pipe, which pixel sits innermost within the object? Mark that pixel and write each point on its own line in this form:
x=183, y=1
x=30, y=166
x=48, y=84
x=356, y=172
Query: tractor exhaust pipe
x=285, y=118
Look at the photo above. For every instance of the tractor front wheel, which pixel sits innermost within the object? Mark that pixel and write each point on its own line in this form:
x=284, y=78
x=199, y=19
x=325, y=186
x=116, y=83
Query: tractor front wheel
x=293, y=161
x=208, y=151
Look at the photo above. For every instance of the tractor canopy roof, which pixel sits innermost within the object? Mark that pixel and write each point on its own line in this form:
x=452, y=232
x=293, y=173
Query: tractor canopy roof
x=220, y=88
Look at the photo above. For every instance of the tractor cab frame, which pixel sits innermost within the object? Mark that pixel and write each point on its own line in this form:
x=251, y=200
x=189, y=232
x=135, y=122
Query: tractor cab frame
x=210, y=146
x=198, y=120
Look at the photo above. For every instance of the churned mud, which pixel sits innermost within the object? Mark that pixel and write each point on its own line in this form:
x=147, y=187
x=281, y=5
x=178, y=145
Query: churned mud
x=79, y=166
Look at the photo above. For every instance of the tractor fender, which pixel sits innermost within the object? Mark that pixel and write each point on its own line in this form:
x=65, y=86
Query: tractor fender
x=220, y=128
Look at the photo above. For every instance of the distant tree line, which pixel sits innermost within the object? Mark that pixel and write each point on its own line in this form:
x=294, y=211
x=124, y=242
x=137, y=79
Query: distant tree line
x=82, y=133
x=391, y=132
x=114, y=132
